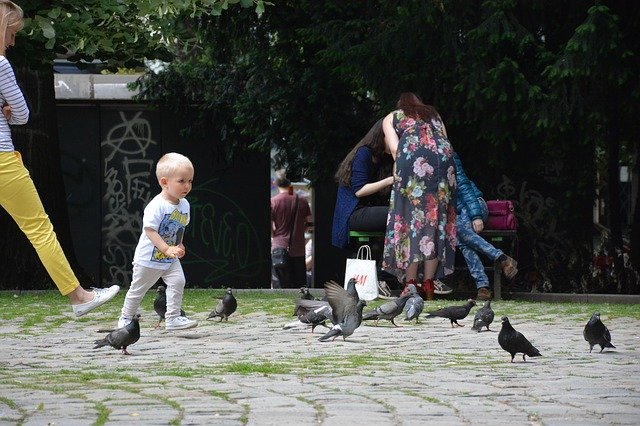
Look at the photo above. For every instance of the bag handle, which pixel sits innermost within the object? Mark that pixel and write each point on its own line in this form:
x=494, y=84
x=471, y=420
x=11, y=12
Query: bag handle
x=293, y=222
x=364, y=252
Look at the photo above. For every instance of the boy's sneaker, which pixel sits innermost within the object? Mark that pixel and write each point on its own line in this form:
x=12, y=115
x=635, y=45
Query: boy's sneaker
x=100, y=297
x=123, y=321
x=179, y=323
x=441, y=288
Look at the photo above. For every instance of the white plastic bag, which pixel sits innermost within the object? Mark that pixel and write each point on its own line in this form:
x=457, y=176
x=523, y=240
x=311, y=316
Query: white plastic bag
x=364, y=270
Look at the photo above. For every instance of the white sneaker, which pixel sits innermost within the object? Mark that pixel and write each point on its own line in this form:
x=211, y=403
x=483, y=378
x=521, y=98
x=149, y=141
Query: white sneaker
x=123, y=321
x=179, y=323
x=441, y=288
x=100, y=297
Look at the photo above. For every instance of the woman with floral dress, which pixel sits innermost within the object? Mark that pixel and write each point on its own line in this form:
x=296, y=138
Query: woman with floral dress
x=422, y=212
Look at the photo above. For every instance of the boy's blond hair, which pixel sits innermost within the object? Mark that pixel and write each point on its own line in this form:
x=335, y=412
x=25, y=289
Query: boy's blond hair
x=169, y=163
x=11, y=15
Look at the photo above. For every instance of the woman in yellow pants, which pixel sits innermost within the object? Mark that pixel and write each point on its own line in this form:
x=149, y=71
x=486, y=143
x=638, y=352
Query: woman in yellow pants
x=18, y=195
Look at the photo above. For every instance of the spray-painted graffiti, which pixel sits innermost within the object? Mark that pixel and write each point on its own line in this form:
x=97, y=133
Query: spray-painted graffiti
x=221, y=241
x=128, y=153
x=226, y=242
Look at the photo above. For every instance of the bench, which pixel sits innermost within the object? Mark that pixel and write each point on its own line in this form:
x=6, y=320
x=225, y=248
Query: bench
x=494, y=236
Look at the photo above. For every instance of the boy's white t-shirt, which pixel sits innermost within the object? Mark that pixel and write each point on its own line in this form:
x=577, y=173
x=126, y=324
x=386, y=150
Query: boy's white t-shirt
x=170, y=221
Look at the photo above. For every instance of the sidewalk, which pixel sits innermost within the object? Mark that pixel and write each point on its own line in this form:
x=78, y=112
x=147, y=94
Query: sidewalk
x=249, y=371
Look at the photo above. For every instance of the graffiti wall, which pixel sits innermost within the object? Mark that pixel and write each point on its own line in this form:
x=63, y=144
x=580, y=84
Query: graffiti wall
x=109, y=154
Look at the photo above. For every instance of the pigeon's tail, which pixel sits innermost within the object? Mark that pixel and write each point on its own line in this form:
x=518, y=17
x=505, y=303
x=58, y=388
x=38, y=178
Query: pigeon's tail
x=212, y=315
x=293, y=324
x=100, y=343
x=609, y=345
x=534, y=352
x=370, y=316
x=477, y=326
x=334, y=332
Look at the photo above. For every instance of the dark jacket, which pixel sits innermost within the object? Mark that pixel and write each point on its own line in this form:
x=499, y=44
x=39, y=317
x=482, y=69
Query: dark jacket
x=468, y=193
x=362, y=170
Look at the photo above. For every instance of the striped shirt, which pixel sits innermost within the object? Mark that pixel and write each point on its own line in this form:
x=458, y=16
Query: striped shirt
x=10, y=94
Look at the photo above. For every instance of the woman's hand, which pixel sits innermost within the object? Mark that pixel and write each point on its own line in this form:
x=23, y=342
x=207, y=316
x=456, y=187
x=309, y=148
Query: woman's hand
x=6, y=111
x=478, y=225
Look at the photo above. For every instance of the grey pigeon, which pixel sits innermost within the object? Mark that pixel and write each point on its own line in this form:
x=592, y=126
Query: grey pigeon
x=311, y=313
x=414, y=306
x=453, y=313
x=225, y=307
x=305, y=293
x=121, y=338
x=346, y=311
x=388, y=310
x=160, y=305
x=484, y=317
x=514, y=342
x=351, y=287
x=596, y=333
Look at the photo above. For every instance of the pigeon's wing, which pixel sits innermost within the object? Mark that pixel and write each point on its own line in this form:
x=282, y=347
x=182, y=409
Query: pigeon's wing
x=218, y=310
x=488, y=315
x=340, y=301
x=314, y=311
x=118, y=338
x=414, y=307
x=133, y=329
x=478, y=322
x=606, y=335
x=388, y=308
x=522, y=344
x=451, y=312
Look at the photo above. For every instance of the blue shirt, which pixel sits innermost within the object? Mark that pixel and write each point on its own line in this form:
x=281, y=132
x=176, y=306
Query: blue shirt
x=346, y=200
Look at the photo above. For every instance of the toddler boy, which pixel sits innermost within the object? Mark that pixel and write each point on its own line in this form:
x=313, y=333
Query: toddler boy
x=160, y=246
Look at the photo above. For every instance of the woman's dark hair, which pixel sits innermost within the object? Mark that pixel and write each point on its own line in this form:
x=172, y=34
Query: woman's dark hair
x=374, y=139
x=412, y=106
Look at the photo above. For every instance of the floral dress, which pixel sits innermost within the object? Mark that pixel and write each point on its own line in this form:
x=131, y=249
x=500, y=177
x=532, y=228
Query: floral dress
x=422, y=211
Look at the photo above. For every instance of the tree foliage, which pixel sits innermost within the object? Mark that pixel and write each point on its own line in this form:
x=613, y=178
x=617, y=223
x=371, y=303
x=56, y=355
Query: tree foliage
x=116, y=32
x=529, y=92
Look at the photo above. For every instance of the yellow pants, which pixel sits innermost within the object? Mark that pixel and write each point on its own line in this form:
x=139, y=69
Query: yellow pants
x=18, y=196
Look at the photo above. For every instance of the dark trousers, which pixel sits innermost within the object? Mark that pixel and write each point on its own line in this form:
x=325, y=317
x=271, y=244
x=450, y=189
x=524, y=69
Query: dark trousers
x=294, y=275
x=373, y=218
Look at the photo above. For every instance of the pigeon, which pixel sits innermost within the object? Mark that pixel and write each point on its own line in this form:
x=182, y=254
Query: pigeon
x=596, y=333
x=513, y=342
x=388, y=310
x=305, y=293
x=414, y=305
x=453, y=313
x=484, y=317
x=160, y=305
x=121, y=338
x=351, y=287
x=346, y=311
x=225, y=307
x=311, y=312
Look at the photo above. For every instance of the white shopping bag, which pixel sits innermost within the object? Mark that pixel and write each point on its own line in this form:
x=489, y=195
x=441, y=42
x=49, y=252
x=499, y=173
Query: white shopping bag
x=364, y=270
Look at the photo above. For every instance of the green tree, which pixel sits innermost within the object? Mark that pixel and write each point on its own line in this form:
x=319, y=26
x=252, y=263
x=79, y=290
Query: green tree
x=528, y=90
x=120, y=33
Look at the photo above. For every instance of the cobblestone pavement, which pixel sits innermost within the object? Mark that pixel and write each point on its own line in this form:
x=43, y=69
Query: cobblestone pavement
x=251, y=371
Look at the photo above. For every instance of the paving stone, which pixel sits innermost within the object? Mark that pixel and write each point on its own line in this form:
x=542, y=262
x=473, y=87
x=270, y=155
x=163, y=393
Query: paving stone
x=427, y=373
